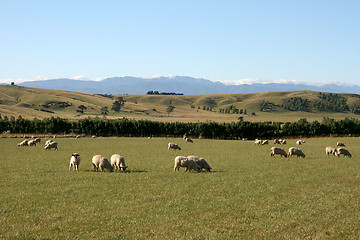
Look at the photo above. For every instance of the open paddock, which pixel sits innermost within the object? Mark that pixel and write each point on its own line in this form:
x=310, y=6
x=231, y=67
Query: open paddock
x=248, y=194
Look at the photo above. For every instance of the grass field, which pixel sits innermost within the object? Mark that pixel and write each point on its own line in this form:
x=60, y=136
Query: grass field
x=249, y=195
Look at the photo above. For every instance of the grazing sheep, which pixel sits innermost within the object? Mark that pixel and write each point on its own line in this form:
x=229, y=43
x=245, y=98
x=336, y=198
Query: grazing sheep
x=78, y=136
x=188, y=164
x=173, y=146
x=298, y=142
x=118, y=162
x=38, y=140
x=101, y=162
x=201, y=162
x=257, y=142
x=283, y=141
x=342, y=151
x=330, y=150
x=23, y=143
x=340, y=144
x=75, y=161
x=51, y=145
x=189, y=140
x=31, y=143
x=277, y=150
x=296, y=151
x=265, y=142
x=277, y=141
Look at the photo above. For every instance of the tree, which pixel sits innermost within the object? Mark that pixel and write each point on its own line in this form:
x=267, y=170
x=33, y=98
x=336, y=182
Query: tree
x=169, y=109
x=104, y=111
x=81, y=108
x=118, y=104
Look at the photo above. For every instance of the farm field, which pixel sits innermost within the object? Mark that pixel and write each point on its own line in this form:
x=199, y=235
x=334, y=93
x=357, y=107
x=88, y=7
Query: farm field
x=248, y=195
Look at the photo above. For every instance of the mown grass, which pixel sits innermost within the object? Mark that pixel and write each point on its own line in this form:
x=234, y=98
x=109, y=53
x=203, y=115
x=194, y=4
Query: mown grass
x=248, y=195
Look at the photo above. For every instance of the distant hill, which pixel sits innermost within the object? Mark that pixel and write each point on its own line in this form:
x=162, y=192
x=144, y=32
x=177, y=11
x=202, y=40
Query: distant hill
x=265, y=106
x=178, y=84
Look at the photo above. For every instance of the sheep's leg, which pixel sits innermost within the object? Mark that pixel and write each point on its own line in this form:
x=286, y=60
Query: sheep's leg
x=70, y=166
x=95, y=168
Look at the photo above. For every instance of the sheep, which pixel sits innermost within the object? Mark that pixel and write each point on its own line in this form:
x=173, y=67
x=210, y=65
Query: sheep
x=277, y=141
x=78, y=136
x=31, y=143
x=343, y=151
x=201, y=162
x=38, y=140
x=277, y=150
x=74, y=161
x=118, y=162
x=330, y=150
x=296, y=151
x=257, y=142
x=283, y=141
x=173, y=146
x=298, y=142
x=51, y=145
x=340, y=144
x=101, y=162
x=265, y=142
x=188, y=164
x=189, y=140
x=48, y=142
x=23, y=143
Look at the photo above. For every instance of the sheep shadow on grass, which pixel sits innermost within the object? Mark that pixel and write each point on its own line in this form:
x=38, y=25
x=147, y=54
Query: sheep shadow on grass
x=127, y=171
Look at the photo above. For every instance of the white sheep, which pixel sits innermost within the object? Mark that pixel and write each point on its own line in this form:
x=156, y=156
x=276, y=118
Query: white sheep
x=277, y=141
x=201, y=162
x=283, y=141
x=38, y=140
x=298, y=142
x=265, y=142
x=295, y=151
x=118, y=162
x=51, y=145
x=330, y=150
x=23, y=143
x=173, y=146
x=31, y=143
x=189, y=140
x=48, y=141
x=342, y=151
x=277, y=150
x=101, y=162
x=340, y=144
x=188, y=164
x=257, y=142
x=74, y=161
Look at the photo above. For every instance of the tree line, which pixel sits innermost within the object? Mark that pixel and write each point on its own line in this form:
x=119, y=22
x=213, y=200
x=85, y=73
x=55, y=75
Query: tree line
x=326, y=102
x=211, y=130
x=162, y=93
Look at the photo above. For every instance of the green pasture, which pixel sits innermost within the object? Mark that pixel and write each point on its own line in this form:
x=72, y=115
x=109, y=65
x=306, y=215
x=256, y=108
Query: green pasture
x=248, y=195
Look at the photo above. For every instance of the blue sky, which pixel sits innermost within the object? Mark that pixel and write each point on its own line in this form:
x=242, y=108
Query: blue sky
x=303, y=41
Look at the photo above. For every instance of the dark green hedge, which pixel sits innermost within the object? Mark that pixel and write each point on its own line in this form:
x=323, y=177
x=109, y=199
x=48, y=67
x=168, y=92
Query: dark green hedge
x=212, y=130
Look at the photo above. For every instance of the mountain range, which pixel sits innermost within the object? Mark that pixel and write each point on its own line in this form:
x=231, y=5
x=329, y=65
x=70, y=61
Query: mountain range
x=177, y=84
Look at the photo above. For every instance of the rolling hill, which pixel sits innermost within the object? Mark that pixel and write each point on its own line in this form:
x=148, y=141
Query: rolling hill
x=280, y=106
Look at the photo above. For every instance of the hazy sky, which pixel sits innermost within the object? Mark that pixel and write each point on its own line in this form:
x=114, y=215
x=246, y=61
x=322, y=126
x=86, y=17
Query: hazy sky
x=311, y=41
